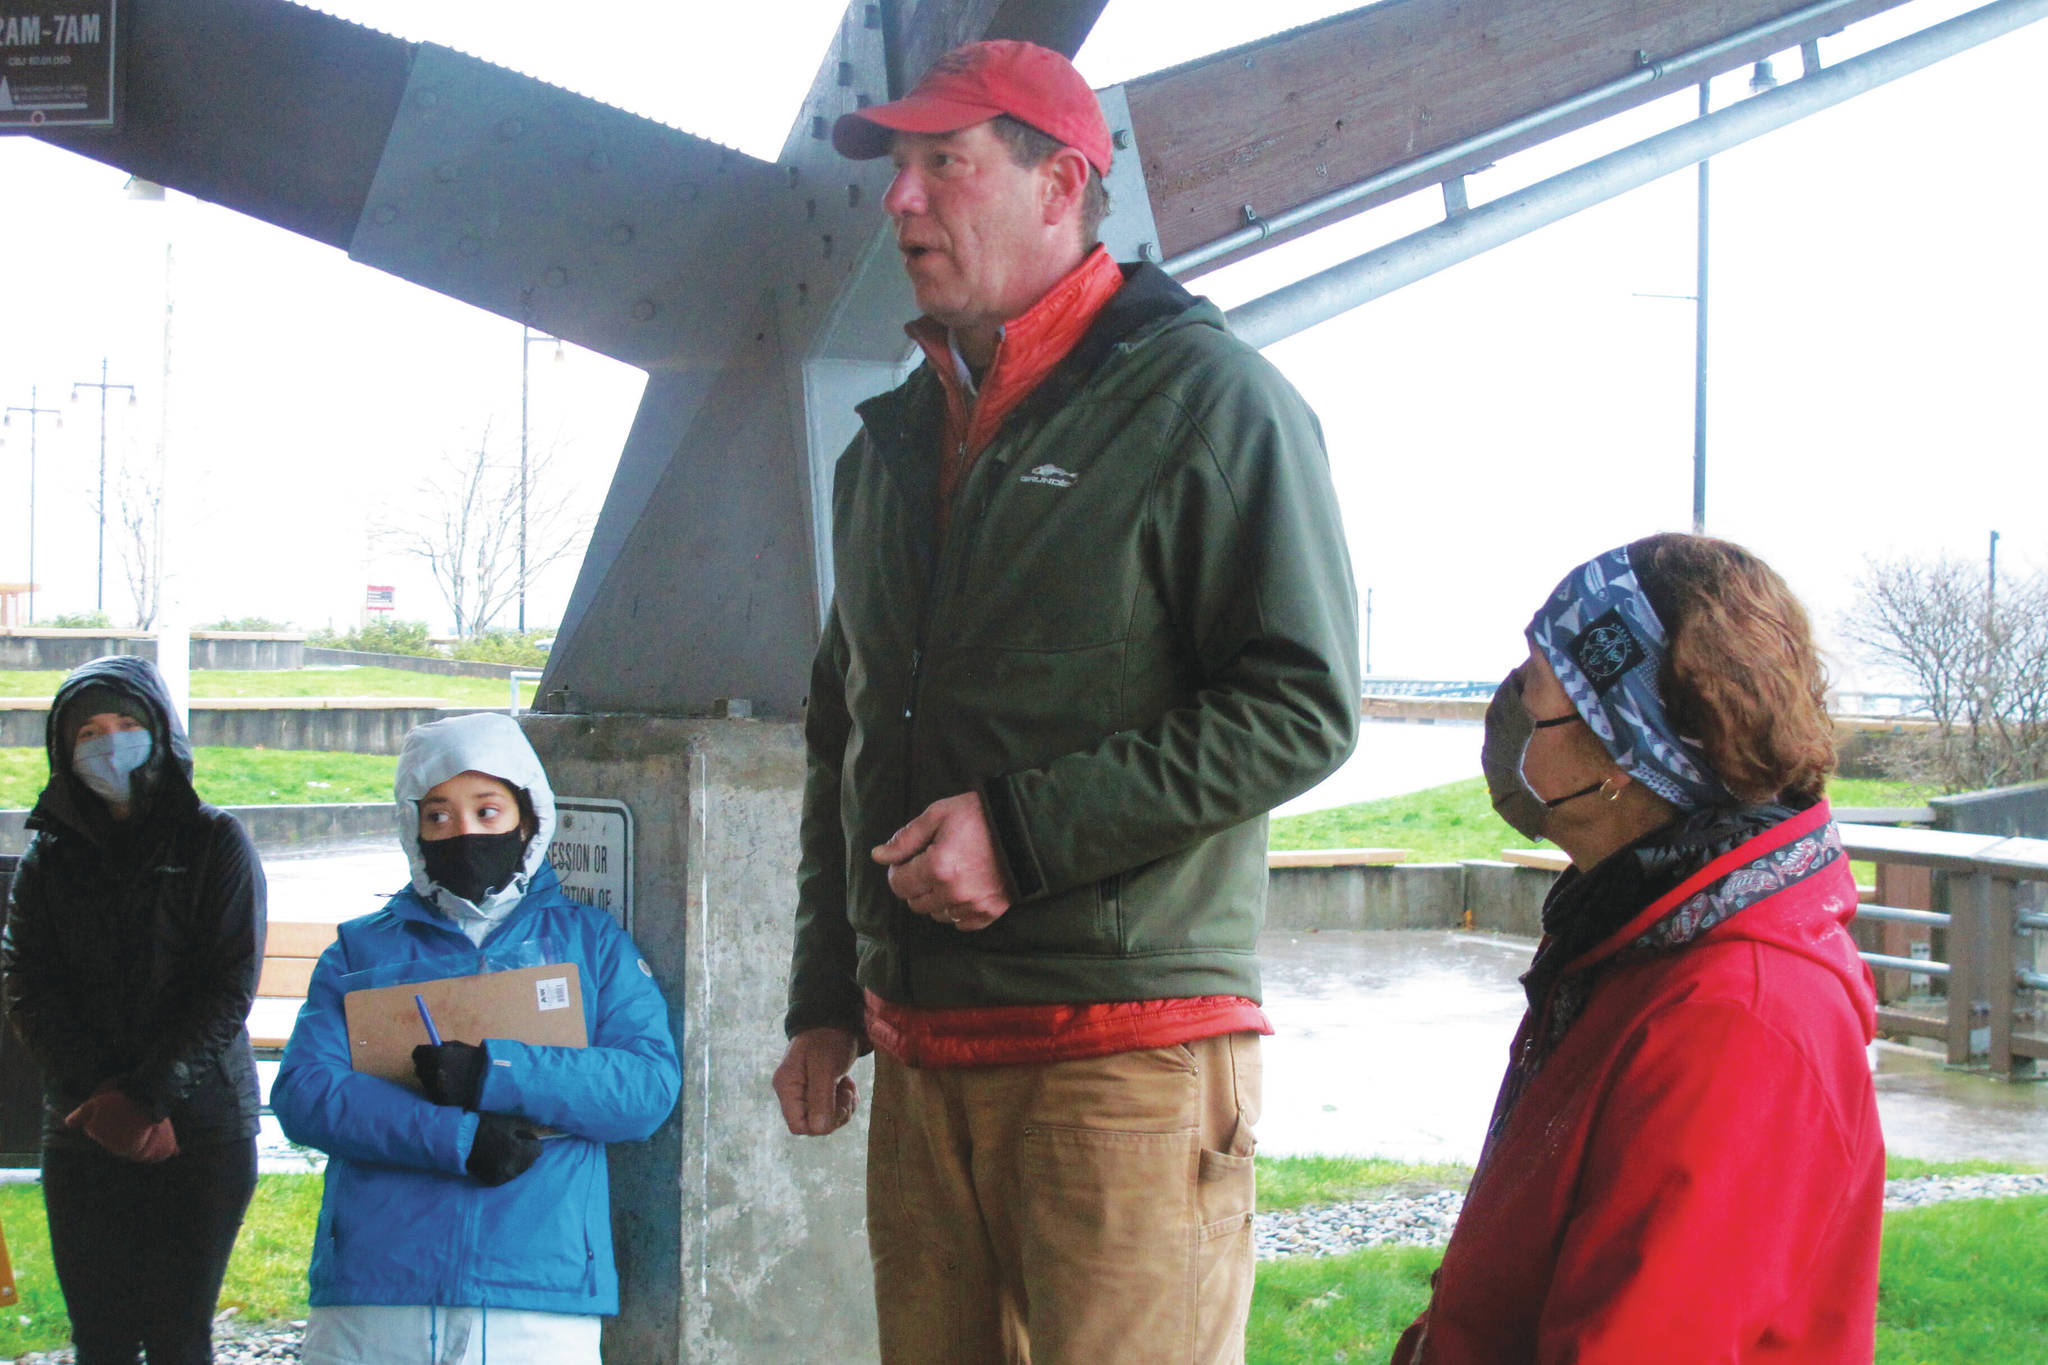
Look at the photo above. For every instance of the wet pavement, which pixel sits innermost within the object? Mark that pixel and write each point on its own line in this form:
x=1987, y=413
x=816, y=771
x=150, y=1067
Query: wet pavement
x=1388, y=1043
x=1394, y=758
x=1392, y=1043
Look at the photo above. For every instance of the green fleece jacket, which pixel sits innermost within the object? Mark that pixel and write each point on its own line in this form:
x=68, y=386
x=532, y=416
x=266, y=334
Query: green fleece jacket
x=1138, y=636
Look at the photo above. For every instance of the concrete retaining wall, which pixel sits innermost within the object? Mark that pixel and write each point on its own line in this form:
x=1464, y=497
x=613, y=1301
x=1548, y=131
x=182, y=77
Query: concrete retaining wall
x=1506, y=899
x=31, y=647
x=263, y=651
x=28, y=647
x=271, y=827
x=344, y=725
x=1386, y=896
x=411, y=663
x=1498, y=897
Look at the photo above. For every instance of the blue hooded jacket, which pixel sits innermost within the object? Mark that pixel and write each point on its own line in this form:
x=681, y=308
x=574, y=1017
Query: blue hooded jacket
x=401, y=1221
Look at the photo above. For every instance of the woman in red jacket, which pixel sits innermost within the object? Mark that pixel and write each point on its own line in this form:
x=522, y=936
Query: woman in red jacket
x=1684, y=1163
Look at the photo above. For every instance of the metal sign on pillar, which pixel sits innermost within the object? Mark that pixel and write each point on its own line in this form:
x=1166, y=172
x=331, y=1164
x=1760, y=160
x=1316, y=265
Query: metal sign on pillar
x=59, y=64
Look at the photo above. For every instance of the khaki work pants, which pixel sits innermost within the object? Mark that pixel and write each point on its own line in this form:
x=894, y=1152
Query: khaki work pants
x=1077, y=1213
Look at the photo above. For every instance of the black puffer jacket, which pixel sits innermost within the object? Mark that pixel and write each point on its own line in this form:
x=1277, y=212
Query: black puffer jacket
x=132, y=948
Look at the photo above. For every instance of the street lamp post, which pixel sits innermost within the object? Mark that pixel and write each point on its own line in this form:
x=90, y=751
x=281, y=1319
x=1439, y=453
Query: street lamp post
x=99, y=597
x=1761, y=79
x=7, y=419
x=527, y=337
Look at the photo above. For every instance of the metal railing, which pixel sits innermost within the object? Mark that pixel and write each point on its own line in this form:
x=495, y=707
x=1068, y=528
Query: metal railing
x=512, y=681
x=1989, y=933
x=1443, y=689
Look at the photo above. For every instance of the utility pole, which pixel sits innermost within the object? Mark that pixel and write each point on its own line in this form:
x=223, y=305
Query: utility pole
x=1761, y=80
x=99, y=597
x=1991, y=579
x=1699, y=347
x=527, y=337
x=7, y=419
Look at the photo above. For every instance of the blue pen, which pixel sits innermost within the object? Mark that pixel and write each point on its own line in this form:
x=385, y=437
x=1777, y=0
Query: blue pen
x=433, y=1034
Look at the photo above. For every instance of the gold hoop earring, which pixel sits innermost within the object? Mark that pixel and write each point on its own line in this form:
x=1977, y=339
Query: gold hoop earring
x=1611, y=788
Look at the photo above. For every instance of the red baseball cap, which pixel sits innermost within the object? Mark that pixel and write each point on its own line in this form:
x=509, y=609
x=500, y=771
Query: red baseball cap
x=973, y=84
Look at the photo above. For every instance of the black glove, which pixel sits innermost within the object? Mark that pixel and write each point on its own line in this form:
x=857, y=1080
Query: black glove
x=504, y=1147
x=450, y=1073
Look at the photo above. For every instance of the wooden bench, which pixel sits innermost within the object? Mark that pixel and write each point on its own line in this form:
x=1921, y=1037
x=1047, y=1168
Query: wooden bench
x=1335, y=857
x=1542, y=859
x=290, y=950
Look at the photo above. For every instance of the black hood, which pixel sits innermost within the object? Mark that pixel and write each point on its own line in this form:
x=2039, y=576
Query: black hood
x=169, y=772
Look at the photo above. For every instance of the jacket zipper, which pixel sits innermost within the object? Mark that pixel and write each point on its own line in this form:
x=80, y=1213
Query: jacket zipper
x=910, y=722
x=929, y=607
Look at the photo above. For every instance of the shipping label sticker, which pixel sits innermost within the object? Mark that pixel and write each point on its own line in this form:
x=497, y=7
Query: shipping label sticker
x=553, y=993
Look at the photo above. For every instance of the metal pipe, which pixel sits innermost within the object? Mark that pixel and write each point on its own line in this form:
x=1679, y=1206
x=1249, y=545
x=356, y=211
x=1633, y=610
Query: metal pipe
x=1482, y=143
x=2032, y=980
x=2027, y=921
x=1342, y=287
x=1897, y=915
x=1906, y=964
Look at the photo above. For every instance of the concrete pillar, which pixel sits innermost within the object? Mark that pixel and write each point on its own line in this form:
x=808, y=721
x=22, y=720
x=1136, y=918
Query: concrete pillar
x=737, y=1244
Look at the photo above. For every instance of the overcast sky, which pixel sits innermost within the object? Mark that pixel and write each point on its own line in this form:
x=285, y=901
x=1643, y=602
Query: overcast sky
x=1876, y=361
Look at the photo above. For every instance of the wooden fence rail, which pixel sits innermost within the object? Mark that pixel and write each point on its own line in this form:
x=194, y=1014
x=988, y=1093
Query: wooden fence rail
x=1990, y=969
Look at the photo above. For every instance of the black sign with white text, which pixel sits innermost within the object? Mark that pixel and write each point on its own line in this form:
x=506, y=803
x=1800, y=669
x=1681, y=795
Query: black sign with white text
x=57, y=64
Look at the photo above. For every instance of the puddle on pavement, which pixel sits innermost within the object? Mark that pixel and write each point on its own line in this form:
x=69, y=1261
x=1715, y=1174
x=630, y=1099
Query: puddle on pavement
x=1392, y=1043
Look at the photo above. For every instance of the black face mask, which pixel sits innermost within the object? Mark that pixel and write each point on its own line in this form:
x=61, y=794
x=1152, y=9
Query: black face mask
x=474, y=865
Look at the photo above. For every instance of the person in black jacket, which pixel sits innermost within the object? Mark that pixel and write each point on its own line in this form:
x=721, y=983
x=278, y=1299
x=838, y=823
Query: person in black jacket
x=134, y=937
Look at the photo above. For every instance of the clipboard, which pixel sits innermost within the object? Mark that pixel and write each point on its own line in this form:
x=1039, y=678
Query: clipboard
x=541, y=1005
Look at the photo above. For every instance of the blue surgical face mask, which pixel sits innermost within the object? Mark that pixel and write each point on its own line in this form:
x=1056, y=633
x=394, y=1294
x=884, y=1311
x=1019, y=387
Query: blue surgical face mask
x=105, y=763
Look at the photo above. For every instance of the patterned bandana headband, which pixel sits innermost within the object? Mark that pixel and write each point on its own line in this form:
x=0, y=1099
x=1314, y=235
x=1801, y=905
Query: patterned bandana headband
x=1604, y=641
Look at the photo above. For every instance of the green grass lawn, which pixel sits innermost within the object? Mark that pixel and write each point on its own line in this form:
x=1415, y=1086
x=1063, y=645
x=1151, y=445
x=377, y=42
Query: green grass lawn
x=237, y=777
x=266, y=1277
x=1293, y=1182
x=1456, y=821
x=1962, y=1282
x=307, y=682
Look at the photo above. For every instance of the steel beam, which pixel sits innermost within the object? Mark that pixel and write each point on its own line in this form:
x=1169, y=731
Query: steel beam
x=1340, y=288
x=269, y=109
x=714, y=591
x=1406, y=93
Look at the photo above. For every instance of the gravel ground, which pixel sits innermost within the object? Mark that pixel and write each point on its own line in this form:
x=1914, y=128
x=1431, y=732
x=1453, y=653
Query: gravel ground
x=1420, y=1221
x=1426, y=1220
x=233, y=1344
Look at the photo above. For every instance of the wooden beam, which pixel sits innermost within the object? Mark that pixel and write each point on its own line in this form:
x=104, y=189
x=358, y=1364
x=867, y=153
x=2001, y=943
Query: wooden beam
x=1276, y=123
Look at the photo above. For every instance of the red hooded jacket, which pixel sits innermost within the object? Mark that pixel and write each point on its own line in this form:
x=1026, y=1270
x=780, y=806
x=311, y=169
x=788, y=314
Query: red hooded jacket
x=1695, y=1173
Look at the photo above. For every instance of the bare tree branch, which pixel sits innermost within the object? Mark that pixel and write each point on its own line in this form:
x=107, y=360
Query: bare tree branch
x=465, y=525
x=141, y=500
x=1982, y=665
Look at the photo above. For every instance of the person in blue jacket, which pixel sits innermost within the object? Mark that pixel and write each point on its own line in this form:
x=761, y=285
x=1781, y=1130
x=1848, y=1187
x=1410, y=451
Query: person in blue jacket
x=472, y=1222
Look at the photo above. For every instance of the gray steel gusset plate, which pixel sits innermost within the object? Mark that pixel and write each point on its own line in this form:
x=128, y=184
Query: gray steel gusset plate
x=544, y=206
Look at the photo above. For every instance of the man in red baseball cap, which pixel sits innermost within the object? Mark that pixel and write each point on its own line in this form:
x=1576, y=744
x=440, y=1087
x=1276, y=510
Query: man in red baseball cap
x=1093, y=617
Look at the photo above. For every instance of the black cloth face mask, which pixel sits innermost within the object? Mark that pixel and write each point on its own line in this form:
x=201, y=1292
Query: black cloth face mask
x=474, y=865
